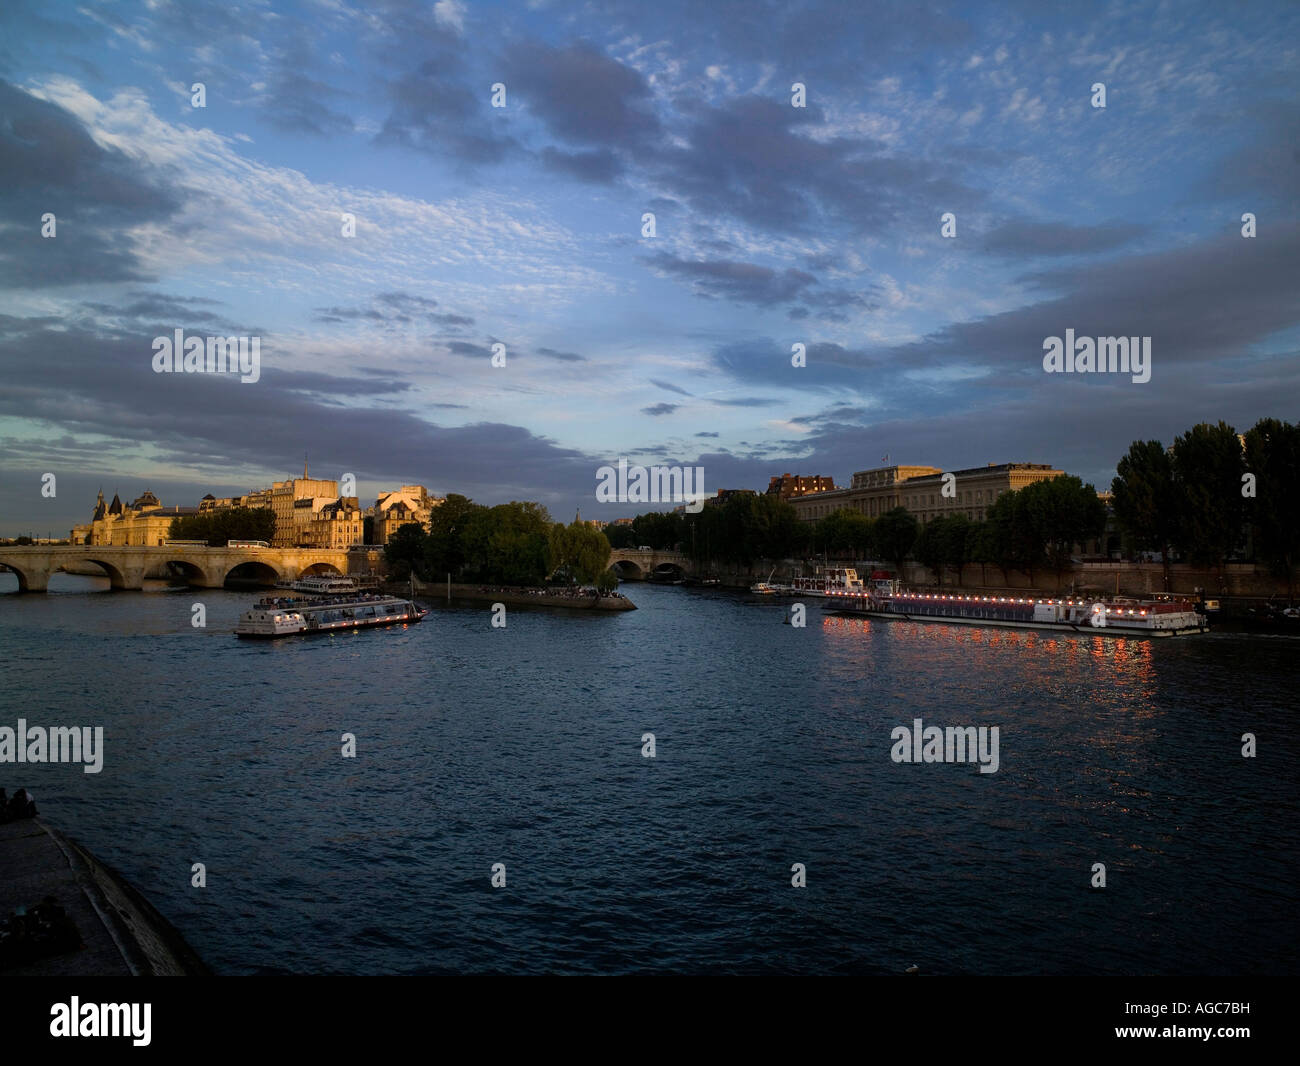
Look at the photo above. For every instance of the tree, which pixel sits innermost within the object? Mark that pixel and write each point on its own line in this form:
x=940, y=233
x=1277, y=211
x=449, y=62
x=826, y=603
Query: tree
x=894, y=534
x=843, y=531
x=507, y=544
x=983, y=550
x=931, y=548
x=959, y=533
x=444, y=552
x=579, y=551
x=368, y=529
x=404, y=552
x=1273, y=456
x=773, y=528
x=1010, y=541
x=1147, y=499
x=620, y=536
x=661, y=531
x=1058, y=514
x=946, y=541
x=1208, y=465
x=228, y=523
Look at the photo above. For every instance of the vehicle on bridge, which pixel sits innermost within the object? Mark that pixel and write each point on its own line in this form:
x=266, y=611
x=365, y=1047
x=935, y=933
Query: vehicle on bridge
x=247, y=544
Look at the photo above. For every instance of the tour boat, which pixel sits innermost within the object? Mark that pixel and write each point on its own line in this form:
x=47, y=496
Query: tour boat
x=832, y=580
x=284, y=616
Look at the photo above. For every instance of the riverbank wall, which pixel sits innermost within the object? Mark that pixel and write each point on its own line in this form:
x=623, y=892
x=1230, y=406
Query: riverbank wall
x=434, y=593
x=121, y=932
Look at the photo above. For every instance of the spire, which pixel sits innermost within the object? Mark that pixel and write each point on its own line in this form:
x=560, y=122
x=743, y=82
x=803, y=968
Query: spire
x=577, y=518
x=304, y=466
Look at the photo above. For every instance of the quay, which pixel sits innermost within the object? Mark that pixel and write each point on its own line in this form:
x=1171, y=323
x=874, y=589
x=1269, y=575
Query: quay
x=121, y=933
x=433, y=593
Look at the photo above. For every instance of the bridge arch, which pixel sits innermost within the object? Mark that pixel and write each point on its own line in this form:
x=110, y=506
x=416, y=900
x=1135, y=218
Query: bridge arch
x=252, y=570
x=627, y=570
x=190, y=571
x=116, y=576
x=321, y=570
x=24, y=581
x=666, y=572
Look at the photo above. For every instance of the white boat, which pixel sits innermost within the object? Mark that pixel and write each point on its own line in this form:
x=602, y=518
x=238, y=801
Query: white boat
x=828, y=581
x=323, y=585
x=284, y=616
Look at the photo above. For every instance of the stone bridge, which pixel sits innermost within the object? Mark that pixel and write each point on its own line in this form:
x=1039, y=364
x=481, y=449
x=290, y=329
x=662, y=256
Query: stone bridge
x=633, y=564
x=129, y=566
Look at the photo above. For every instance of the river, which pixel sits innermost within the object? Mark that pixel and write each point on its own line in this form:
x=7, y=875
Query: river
x=523, y=746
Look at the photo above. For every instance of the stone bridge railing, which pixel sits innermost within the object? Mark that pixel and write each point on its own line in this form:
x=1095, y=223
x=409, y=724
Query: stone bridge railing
x=128, y=567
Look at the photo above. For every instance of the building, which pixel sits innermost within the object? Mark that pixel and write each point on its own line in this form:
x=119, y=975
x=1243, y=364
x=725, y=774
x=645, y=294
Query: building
x=144, y=522
x=291, y=519
x=725, y=494
x=324, y=523
x=788, y=485
x=925, y=491
x=871, y=492
x=392, y=510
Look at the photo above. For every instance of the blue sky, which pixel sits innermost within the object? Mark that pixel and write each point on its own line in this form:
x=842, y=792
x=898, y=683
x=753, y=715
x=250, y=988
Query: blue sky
x=522, y=225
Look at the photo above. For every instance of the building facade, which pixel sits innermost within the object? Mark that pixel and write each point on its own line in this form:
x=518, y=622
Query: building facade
x=925, y=491
x=144, y=522
x=788, y=485
x=392, y=510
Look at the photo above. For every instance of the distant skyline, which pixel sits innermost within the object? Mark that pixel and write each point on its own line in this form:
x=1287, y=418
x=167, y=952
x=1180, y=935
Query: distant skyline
x=522, y=225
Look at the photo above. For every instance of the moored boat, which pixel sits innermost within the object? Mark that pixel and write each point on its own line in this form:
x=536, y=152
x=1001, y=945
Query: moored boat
x=1111, y=616
x=828, y=581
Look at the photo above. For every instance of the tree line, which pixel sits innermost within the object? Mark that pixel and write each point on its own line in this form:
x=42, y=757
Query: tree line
x=511, y=544
x=228, y=523
x=1199, y=497
x=1209, y=491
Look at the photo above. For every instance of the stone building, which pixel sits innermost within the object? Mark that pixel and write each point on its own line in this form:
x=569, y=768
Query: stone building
x=325, y=523
x=788, y=485
x=920, y=489
x=143, y=522
x=291, y=519
x=392, y=510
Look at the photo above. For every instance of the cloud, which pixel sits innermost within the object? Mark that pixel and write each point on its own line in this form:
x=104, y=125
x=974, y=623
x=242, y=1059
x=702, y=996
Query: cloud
x=748, y=401
x=568, y=357
x=1026, y=238
x=757, y=159
x=659, y=409
x=669, y=386
x=100, y=197
x=582, y=96
x=450, y=13
x=393, y=309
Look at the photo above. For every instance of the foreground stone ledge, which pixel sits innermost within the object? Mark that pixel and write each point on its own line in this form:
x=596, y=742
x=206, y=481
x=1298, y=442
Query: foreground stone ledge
x=123, y=933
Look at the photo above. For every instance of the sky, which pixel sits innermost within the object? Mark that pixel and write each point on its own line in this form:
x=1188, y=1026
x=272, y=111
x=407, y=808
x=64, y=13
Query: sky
x=523, y=225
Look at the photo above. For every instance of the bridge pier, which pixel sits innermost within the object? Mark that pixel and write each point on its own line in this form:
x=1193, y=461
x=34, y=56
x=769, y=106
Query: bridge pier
x=128, y=579
x=33, y=580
